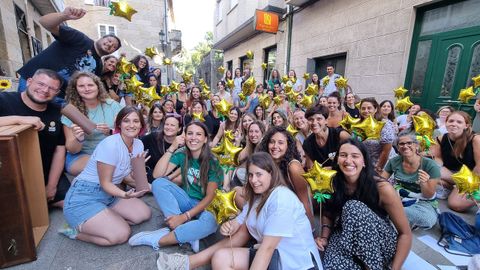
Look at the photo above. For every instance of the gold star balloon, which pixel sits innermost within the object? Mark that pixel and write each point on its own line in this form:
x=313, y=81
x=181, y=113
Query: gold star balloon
x=174, y=86
x=403, y=104
x=400, y=92
x=348, y=121
x=227, y=153
x=221, y=69
x=264, y=66
x=285, y=79
x=277, y=100
x=307, y=101
x=187, y=77
x=223, y=206
x=325, y=81
x=198, y=117
x=292, y=96
x=248, y=86
x=205, y=93
x=293, y=80
x=151, y=51
x=122, y=9
x=218, y=150
x=292, y=130
x=132, y=84
x=167, y=61
x=228, y=134
x=320, y=179
x=230, y=84
x=466, y=181
x=476, y=81
x=164, y=90
x=242, y=97
x=370, y=127
x=249, y=54
x=466, y=94
x=306, y=76
x=201, y=81
x=424, y=124
x=312, y=89
x=223, y=107
x=264, y=100
x=341, y=82
x=126, y=67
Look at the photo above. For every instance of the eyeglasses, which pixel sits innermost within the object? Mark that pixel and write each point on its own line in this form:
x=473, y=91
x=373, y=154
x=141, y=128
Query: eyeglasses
x=401, y=144
x=43, y=85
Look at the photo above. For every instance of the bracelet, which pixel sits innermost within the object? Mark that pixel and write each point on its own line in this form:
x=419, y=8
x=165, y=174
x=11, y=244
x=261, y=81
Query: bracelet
x=188, y=215
x=168, y=151
x=80, y=141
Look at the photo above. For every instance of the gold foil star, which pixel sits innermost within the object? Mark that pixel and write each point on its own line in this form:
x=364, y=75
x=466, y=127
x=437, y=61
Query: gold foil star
x=320, y=179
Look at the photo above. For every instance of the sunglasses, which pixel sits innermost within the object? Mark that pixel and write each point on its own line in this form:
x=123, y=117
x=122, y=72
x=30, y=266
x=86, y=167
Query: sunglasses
x=405, y=144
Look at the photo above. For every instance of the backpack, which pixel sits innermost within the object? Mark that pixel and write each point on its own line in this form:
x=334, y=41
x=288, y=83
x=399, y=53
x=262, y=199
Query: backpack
x=459, y=235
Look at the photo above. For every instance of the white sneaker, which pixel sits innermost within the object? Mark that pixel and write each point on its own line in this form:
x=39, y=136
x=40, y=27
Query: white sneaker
x=175, y=261
x=148, y=238
x=195, y=245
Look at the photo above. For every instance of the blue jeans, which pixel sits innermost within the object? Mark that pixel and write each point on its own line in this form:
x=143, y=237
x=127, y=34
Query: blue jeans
x=173, y=200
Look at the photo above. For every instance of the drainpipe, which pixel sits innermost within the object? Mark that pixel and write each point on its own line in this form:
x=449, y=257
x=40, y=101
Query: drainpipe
x=27, y=20
x=289, y=38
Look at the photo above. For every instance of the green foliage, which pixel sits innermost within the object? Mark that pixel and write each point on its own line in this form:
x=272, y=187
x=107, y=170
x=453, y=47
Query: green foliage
x=191, y=60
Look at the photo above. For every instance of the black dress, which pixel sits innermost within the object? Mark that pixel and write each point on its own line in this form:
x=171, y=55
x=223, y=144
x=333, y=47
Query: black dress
x=156, y=146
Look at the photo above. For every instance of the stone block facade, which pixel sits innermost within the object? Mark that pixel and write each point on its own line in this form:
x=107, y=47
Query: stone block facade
x=140, y=33
x=10, y=43
x=375, y=35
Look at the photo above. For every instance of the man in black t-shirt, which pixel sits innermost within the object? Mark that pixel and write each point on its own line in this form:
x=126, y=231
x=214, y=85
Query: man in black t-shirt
x=71, y=51
x=34, y=107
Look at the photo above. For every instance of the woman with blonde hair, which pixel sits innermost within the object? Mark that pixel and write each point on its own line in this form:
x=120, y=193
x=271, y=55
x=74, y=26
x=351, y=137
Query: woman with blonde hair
x=86, y=92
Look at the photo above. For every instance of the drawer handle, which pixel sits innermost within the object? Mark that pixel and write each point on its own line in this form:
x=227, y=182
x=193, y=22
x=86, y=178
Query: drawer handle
x=13, y=247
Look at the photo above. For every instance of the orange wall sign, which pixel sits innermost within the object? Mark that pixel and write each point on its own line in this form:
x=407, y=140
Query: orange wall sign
x=266, y=21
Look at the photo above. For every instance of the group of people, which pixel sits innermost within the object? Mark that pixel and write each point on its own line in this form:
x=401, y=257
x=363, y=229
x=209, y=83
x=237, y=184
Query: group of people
x=389, y=183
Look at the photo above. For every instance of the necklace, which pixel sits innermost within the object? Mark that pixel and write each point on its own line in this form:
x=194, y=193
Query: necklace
x=129, y=148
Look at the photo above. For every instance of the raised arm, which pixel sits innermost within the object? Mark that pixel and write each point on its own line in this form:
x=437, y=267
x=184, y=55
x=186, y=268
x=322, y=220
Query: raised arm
x=52, y=21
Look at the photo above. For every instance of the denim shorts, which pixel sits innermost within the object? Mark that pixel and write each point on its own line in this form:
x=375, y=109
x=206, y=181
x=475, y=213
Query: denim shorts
x=71, y=158
x=84, y=200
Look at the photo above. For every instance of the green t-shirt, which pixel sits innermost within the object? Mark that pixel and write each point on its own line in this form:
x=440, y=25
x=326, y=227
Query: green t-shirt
x=409, y=181
x=192, y=186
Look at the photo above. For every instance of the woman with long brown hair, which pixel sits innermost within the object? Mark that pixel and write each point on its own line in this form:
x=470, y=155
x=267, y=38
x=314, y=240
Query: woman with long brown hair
x=459, y=146
x=183, y=204
x=86, y=92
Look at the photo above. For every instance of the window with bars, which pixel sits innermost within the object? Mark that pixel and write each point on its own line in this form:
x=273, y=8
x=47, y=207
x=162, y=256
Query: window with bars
x=104, y=29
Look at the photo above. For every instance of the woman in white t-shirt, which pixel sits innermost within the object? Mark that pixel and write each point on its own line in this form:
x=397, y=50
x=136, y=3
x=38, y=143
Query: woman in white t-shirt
x=96, y=209
x=274, y=217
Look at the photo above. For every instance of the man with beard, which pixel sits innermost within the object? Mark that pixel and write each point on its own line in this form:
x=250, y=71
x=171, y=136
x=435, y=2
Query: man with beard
x=69, y=51
x=34, y=107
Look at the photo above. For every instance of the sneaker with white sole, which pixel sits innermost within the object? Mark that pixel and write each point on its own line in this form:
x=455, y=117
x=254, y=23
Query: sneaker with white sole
x=175, y=261
x=195, y=245
x=149, y=238
x=68, y=232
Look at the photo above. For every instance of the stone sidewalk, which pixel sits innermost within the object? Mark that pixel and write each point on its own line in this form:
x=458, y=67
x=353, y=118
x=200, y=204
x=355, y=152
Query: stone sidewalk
x=57, y=252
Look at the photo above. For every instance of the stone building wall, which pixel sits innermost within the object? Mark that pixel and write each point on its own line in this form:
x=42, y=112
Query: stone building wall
x=140, y=33
x=374, y=34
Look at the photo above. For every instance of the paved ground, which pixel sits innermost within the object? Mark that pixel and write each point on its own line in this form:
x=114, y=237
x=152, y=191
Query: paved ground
x=58, y=252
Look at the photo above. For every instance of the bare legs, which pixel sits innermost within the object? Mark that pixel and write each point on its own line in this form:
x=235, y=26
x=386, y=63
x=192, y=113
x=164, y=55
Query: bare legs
x=111, y=226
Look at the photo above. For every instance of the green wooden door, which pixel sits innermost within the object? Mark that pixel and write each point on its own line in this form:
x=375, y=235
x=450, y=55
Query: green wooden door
x=452, y=60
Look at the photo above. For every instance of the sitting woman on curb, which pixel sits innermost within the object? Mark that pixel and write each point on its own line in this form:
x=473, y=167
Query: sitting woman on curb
x=357, y=230
x=183, y=204
x=415, y=178
x=273, y=216
x=85, y=91
x=96, y=210
x=459, y=146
